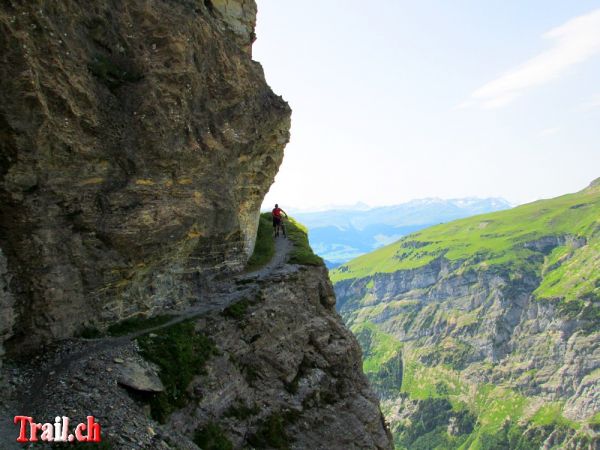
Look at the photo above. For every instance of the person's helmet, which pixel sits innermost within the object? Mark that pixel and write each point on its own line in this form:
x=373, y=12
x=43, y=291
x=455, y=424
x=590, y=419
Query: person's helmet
x=276, y=205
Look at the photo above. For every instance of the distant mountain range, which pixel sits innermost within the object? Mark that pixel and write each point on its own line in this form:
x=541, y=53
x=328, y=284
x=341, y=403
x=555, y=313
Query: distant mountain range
x=339, y=235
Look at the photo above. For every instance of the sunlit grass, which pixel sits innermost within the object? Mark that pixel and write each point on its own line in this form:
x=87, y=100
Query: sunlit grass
x=302, y=252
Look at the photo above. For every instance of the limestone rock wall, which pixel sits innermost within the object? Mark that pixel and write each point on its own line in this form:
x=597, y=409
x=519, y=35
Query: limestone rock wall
x=137, y=142
x=240, y=17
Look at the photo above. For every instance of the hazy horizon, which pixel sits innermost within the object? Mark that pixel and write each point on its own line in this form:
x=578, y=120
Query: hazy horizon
x=402, y=101
x=361, y=206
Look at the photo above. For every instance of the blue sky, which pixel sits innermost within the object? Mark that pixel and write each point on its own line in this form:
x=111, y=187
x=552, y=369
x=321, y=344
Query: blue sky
x=395, y=100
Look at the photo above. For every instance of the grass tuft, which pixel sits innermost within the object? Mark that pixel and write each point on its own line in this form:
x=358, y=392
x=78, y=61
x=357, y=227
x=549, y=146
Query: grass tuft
x=241, y=411
x=302, y=253
x=237, y=310
x=181, y=353
x=264, y=249
x=271, y=432
x=212, y=437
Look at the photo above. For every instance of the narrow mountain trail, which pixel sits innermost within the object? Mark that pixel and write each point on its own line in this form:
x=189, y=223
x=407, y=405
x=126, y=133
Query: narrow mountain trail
x=222, y=293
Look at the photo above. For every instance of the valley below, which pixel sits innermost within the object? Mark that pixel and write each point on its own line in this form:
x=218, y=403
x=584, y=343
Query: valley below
x=484, y=333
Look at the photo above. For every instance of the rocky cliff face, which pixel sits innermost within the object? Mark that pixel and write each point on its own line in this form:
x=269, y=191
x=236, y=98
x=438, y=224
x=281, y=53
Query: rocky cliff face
x=464, y=320
x=137, y=142
x=457, y=331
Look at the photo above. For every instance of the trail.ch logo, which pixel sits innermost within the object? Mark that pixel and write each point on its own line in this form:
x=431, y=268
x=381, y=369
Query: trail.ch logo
x=57, y=431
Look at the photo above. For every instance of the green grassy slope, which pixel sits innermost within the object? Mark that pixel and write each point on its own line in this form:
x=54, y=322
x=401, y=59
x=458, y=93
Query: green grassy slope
x=505, y=238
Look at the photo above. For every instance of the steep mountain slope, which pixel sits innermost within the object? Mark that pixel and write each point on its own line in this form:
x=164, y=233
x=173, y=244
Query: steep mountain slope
x=487, y=328
x=342, y=234
x=262, y=360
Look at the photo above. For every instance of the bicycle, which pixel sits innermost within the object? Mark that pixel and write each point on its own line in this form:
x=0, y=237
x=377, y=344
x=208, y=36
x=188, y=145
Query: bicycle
x=279, y=226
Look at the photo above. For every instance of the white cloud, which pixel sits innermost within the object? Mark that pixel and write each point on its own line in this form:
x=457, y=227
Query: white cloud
x=573, y=43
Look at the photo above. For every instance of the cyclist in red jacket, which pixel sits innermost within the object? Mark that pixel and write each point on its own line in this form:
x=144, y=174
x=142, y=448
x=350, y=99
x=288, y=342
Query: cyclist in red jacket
x=277, y=220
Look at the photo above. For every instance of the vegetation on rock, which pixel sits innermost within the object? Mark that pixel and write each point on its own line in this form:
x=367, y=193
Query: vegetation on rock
x=302, y=252
x=264, y=248
x=180, y=352
x=297, y=233
x=271, y=431
x=212, y=437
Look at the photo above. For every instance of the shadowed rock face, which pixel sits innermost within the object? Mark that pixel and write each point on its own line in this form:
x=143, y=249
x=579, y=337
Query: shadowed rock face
x=137, y=142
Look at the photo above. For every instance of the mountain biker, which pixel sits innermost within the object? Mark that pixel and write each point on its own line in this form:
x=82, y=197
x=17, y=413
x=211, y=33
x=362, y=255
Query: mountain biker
x=277, y=223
